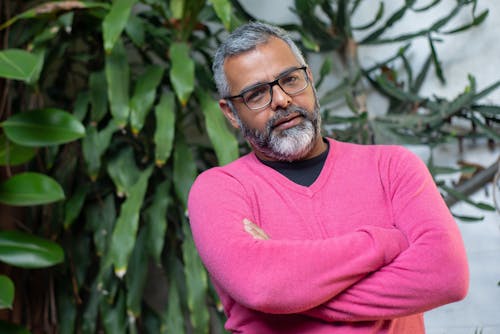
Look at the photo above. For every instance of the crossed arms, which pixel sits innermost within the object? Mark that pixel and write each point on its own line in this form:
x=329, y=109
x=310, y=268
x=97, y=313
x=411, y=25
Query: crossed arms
x=371, y=273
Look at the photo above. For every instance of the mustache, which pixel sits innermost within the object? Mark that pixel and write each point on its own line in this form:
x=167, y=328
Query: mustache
x=282, y=113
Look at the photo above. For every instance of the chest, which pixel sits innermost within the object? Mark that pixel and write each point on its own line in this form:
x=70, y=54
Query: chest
x=339, y=206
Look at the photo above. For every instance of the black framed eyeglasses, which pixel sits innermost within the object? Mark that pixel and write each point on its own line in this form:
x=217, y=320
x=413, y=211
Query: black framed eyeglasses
x=292, y=82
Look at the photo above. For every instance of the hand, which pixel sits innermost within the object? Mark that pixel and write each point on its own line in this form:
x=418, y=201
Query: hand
x=255, y=231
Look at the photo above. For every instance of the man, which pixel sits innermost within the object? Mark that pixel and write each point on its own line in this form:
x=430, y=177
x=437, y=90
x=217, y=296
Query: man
x=307, y=234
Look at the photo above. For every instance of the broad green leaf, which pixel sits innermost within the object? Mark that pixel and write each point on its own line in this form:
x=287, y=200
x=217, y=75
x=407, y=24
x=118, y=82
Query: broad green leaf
x=10, y=328
x=28, y=251
x=115, y=22
x=80, y=107
x=123, y=171
x=144, y=96
x=155, y=219
x=182, y=71
x=165, y=128
x=124, y=233
x=98, y=95
x=184, y=170
x=6, y=292
x=196, y=282
x=223, y=10
x=94, y=144
x=20, y=65
x=137, y=274
x=223, y=141
x=12, y=154
x=43, y=127
x=118, y=77
x=30, y=189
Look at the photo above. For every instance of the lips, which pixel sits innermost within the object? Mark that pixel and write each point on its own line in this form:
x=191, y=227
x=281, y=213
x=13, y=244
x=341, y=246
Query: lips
x=283, y=121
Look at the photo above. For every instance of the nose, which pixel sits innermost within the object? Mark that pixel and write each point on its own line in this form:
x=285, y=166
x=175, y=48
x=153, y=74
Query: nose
x=280, y=99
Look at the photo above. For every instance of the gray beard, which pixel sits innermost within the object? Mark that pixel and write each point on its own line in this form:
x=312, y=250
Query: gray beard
x=287, y=145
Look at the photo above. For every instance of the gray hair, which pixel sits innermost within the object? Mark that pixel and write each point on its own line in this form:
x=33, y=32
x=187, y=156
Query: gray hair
x=243, y=39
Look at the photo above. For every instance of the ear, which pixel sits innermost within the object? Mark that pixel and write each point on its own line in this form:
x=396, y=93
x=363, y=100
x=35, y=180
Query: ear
x=226, y=110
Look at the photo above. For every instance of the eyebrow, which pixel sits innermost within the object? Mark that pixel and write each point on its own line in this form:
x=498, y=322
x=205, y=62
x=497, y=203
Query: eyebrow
x=260, y=83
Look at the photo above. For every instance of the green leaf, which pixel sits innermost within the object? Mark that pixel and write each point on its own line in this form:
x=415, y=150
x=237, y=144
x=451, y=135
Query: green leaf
x=94, y=144
x=20, y=65
x=10, y=328
x=28, y=251
x=118, y=77
x=137, y=274
x=165, y=128
x=43, y=127
x=124, y=233
x=98, y=95
x=114, y=315
x=182, y=71
x=196, y=282
x=462, y=197
x=6, y=292
x=223, y=10
x=74, y=204
x=66, y=309
x=123, y=171
x=12, y=154
x=135, y=29
x=155, y=219
x=99, y=219
x=172, y=319
x=144, y=96
x=115, y=22
x=224, y=142
x=30, y=189
x=436, y=61
x=184, y=170
x=177, y=8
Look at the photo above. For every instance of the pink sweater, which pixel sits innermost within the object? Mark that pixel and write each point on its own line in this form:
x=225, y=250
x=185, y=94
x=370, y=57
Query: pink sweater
x=367, y=248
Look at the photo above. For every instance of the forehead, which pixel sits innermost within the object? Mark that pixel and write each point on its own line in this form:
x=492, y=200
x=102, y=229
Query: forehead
x=261, y=64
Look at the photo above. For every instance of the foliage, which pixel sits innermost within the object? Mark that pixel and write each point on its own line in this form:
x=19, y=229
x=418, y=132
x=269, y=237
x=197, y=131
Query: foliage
x=109, y=113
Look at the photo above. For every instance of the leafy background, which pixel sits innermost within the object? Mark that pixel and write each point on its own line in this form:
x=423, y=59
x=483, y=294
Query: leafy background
x=108, y=113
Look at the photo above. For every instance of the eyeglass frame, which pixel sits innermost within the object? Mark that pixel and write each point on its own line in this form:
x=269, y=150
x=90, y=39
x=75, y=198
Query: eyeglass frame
x=271, y=84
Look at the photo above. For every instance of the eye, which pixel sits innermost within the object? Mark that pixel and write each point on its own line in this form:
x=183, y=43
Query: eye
x=290, y=80
x=256, y=94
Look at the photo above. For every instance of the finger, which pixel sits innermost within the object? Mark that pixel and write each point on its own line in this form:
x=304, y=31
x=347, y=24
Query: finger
x=254, y=230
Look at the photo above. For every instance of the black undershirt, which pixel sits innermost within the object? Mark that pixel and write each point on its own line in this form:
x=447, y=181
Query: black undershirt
x=303, y=172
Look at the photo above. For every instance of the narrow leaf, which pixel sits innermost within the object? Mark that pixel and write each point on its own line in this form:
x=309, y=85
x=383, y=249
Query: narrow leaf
x=6, y=292
x=30, y=189
x=155, y=219
x=124, y=233
x=114, y=23
x=184, y=170
x=43, y=127
x=223, y=10
x=74, y=204
x=144, y=96
x=223, y=141
x=182, y=71
x=98, y=95
x=136, y=275
x=123, y=171
x=28, y=251
x=165, y=128
x=117, y=77
x=94, y=144
x=436, y=61
x=196, y=282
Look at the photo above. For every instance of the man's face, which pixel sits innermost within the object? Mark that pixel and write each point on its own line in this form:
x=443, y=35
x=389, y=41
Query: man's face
x=289, y=127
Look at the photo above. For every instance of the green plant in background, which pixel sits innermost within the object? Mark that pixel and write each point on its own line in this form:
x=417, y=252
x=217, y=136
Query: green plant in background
x=109, y=113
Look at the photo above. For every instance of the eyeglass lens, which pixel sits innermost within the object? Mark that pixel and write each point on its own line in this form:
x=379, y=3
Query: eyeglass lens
x=291, y=83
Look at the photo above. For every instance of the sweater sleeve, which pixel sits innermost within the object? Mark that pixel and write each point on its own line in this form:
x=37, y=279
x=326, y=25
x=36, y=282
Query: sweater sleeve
x=433, y=271
x=278, y=276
